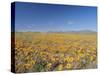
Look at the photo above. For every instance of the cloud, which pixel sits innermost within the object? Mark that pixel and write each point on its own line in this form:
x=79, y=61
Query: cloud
x=70, y=22
x=30, y=26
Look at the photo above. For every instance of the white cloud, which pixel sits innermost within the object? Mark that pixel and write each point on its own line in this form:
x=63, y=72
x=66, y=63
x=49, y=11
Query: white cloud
x=70, y=22
x=30, y=26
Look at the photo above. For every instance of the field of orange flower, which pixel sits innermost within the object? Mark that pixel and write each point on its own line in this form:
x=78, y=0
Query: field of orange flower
x=39, y=52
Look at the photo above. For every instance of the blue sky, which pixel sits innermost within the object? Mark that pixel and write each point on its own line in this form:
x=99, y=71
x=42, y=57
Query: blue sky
x=50, y=17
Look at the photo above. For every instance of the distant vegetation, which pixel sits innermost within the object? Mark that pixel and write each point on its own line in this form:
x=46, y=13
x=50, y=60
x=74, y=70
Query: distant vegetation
x=54, y=51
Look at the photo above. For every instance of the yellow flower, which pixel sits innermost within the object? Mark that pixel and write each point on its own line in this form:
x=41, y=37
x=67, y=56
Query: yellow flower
x=91, y=58
x=53, y=59
x=81, y=54
x=62, y=55
x=69, y=66
x=69, y=59
x=49, y=65
x=60, y=67
x=33, y=61
x=56, y=59
x=27, y=66
x=78, y=58
x=44, y=59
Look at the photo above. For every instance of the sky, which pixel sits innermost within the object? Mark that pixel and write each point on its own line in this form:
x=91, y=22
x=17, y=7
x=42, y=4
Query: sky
x=50, y=17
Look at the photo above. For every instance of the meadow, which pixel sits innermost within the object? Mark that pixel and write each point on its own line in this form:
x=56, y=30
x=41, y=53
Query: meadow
x=41, y=52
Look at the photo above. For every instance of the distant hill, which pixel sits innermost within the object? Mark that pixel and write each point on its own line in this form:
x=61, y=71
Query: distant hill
x=75, y=32
x=69, y=32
